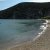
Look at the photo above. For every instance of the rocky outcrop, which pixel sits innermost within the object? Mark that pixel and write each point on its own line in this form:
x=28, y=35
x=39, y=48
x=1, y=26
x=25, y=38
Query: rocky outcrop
x=26, y=10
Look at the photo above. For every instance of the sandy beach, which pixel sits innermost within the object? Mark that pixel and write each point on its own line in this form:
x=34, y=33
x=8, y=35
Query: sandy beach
x=41, y=43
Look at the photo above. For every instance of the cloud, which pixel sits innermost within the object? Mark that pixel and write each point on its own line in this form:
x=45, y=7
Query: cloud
x=40, y=0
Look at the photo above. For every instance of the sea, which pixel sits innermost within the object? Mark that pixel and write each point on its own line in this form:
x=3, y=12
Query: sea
x=15, y=31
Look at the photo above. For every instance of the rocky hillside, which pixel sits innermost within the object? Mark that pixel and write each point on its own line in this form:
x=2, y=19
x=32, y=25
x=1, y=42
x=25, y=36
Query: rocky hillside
x=26, y=10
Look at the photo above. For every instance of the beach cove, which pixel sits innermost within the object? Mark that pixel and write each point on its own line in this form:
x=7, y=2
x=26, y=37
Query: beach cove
x=21, y=34
x=41, y=43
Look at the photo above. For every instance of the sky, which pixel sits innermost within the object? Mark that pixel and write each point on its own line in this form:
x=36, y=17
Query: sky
x=4, y=4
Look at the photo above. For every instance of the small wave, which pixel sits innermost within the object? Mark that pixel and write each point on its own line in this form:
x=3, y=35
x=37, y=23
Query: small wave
x=43, y=27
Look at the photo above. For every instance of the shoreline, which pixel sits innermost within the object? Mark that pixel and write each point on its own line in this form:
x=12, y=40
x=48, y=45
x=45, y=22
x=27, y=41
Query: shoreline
x=19, y=47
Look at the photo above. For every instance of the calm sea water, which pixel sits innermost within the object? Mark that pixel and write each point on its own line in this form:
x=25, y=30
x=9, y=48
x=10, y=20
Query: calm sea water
x=16, y=31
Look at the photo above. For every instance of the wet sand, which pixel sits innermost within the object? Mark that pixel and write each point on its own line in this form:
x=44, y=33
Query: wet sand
x=42, y=43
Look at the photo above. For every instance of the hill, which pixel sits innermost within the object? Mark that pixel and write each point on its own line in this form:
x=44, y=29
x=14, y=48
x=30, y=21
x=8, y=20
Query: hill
x=26, y=10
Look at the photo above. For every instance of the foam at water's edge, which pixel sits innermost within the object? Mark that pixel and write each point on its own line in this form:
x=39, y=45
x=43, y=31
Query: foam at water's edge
x=44, y=29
